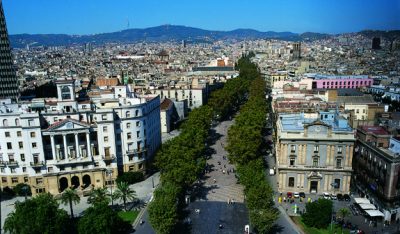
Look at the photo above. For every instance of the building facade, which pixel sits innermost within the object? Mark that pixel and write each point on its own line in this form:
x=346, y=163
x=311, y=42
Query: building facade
x=377, y=169
x=341, y=82
x=314, y=153
x=52, y=144
x=8, y=78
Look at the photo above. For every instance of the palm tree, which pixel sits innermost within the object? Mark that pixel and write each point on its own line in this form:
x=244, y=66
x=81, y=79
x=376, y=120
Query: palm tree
x=125, y=193
x=344, y=212
x=99, y=195
x=70, y=196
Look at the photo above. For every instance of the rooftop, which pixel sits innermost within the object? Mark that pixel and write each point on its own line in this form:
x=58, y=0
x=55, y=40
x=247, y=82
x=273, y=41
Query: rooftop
x=376, y=130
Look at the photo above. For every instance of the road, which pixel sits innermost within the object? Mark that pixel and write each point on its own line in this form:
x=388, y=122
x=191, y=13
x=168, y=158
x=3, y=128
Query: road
x=220, y=199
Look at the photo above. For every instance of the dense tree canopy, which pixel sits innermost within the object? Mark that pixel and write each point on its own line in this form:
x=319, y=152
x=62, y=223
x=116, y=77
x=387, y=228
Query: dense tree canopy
x=37, y=216
x=318, y=213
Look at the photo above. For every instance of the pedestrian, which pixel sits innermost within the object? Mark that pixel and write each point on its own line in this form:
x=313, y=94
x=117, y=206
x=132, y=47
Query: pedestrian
x=215, y=181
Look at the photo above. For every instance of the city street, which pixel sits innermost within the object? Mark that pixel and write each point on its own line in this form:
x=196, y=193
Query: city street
x=220, y=199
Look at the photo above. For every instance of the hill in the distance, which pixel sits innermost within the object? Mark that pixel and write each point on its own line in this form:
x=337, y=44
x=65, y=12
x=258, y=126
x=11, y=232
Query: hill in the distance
x=159, y=34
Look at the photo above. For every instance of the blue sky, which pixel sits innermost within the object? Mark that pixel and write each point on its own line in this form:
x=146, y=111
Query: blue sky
x=97, y=16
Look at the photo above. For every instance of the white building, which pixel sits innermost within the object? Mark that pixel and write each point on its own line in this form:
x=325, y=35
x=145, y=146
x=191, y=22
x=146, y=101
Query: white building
x=52, y=144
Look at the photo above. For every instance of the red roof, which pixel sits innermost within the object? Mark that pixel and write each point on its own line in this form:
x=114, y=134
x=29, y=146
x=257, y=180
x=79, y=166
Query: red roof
x=377, y=130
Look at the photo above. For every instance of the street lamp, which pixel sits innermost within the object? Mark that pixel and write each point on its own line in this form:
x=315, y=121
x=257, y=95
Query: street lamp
x=110, y=172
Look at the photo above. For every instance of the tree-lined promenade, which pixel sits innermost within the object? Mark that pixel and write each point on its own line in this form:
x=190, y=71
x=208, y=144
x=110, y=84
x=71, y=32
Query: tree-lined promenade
x=181, y=160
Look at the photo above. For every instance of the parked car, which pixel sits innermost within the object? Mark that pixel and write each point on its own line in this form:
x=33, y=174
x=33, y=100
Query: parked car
x=296, y=195
x=327, y=196
x=346, y=197
x=339, y=196
x=333, y=196
x=289, y=194
x=302, y=194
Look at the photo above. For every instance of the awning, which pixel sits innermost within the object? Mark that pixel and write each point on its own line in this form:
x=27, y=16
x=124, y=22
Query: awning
x=374, y=213
x=365, y=206
x=359, y=200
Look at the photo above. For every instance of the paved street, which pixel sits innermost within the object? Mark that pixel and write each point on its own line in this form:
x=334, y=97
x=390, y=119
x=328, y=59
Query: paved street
x=219, y=185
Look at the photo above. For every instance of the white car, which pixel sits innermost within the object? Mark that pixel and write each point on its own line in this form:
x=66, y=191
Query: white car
x=296, y=195
x=333, y=196
x=327, y=196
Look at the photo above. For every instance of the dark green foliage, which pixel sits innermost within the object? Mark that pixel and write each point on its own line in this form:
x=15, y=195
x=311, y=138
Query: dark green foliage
x=38, y=215
x=130, y=177
x=163, y=211
x=245, y=144
x=318, y=213
x=20, y=190
x=100, y=218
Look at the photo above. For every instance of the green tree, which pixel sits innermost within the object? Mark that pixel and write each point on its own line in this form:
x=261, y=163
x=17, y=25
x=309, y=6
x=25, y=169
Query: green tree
x=70, y=196
x=318, y=214
x=22, y=189
x=99, y=195
x=163, y=212
x=344, y=212
x=38, y=215
x=125, y=193
x=100, y=218
x=130, y=177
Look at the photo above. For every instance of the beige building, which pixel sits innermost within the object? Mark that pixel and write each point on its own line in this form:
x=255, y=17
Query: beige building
x=314, y=153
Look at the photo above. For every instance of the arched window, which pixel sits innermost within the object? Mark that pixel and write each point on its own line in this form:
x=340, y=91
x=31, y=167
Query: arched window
x=65, y=93
x=291, y=182
x=17, y=122
x=5, y=122
x=128, y=114
x=136, y=112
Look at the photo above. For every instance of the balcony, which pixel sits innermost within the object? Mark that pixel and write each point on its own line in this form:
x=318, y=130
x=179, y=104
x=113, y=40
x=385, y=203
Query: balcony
x=3, y=163
x=136, y=151
x=12, y=164
x=108, y=158
x=37, y=164
x=79, y=160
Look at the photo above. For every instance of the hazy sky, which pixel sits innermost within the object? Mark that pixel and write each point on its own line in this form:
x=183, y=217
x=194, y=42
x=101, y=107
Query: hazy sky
x=97, y=16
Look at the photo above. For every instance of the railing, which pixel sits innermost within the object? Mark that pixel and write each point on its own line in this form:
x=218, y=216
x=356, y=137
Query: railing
x=37, y=164
x=3, y=163
x=135, y=151
x=12, y=164
x=108, y=157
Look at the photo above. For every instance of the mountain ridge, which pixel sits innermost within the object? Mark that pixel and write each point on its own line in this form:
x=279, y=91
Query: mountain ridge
x=159, y=34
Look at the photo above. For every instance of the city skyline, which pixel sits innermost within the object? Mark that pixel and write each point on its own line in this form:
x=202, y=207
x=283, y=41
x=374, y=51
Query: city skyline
x=35, y=17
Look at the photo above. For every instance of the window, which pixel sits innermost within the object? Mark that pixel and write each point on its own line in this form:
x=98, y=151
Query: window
x=30, y=122
x=16, y=122
x=292, y=148
x=128, y=114
x=4, y=179
x=33, y=134
x=137, y=123
x=338, y=163
x=358, y=111
x=65, y=93
x=23, y=169
x=106, y=139
x=315, y=161
x=39, y=180
x=62, y=168
x=128, y=125
x=336, y=184
x=22, y=157
x=291, y=182
x=14, y=180
x=12, y=170
x=9, y=145
x=380, y=144
x=136, y=112
x=104, y=128
x=104, y=117
x=340, y=149
x=55, y=119
x=21, y=145
x=316, y=148
x=19, y=134
x=292, y=161
x=34, y=145
x=5, y=123
x=129, y=135
x=137, y=134
x=364, y=111
x=26, y=179
x=7, y=134
x=37, y=170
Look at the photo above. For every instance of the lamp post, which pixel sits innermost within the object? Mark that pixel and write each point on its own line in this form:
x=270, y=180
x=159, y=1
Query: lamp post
x=110, y=172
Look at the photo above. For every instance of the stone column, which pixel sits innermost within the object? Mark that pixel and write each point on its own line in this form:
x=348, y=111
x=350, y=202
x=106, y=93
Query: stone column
x=88, y=147
x=53, y=147
x=65, y=146
x=78, y=153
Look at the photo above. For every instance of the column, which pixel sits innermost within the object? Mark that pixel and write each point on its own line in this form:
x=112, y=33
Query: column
x=78, y=153
x=53, y=147
x=89, y=151
x=65, y=146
